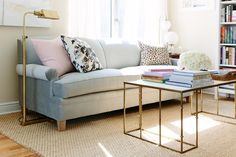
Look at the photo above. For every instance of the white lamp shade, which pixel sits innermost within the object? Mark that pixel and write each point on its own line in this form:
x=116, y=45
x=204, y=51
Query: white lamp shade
x=171, y=38
x=165, y=25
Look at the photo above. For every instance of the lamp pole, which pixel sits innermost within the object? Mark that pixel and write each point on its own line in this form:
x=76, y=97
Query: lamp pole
x=24, y=37
x=46, y=14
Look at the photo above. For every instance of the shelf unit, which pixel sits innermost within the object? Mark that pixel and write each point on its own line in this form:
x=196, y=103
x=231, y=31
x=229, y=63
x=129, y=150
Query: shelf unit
x=227, y=34
x=228, y=2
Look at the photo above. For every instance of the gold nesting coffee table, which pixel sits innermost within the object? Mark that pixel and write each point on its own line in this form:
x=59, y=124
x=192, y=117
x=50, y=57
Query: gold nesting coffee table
x=163, y=87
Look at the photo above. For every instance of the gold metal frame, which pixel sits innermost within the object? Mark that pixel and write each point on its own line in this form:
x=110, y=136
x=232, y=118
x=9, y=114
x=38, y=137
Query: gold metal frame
x=181, y=141
x=46, y=14
x=197, y=90
x=217, y=105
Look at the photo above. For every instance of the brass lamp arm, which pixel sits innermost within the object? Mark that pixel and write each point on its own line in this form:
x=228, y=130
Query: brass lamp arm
x=24, y=22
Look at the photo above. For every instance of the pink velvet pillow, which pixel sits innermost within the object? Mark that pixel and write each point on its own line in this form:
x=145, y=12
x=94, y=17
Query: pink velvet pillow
x=53, y=54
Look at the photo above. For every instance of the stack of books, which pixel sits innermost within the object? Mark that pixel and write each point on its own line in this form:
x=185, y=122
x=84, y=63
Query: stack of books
x=190, y=79
x=157, y=75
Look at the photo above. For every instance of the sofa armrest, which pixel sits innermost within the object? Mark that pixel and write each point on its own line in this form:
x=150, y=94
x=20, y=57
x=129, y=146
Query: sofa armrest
x=38, y=72
x=174, y=61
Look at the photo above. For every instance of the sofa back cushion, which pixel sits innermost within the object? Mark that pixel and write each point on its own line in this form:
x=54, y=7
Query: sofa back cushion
x=32, y=57
x=111, y=53
x=98, y=50
x=120, y=54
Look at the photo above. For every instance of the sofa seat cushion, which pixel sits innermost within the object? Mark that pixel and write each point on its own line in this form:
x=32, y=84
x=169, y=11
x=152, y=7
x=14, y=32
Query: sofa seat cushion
x=76, y=84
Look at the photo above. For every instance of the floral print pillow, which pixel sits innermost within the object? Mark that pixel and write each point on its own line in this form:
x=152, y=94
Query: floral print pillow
x=81, y=55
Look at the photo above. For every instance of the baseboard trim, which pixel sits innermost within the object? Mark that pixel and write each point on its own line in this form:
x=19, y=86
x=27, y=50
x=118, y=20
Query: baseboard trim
x=9, y=107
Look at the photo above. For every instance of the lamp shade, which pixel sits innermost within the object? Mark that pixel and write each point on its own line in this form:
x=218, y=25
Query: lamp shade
x=47, y=14
x=171, y=38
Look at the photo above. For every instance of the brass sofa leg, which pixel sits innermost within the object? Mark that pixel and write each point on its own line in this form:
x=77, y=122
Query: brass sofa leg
x=61, y=125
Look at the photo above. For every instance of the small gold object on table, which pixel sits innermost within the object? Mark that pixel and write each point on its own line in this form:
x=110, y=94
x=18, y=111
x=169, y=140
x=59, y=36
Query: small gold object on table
x=225, y=76
x=174, y=55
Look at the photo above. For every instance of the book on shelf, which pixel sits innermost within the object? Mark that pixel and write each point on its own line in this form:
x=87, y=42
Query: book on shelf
x=227, y=13
x=227, y=51
x=226, y=69
x=227, y=55
x=234, y=16
x=231, y=87
x=228, y=34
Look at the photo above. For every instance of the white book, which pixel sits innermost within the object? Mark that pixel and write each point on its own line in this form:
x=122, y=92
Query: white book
x=203, y=83
x=189, y=79
x=234, y=16
x=223, y=15
x=233, y=56
x=223, y=55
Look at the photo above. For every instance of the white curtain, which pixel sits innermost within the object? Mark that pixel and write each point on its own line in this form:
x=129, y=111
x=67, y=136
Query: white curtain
x=89, y=18
x=128, y=19
x=139, y=20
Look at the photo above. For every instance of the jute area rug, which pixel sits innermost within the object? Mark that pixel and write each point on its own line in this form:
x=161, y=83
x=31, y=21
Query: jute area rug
x=102, y=135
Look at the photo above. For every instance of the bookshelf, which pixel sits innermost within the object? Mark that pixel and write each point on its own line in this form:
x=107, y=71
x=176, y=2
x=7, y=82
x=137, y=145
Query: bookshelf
x=227, y=34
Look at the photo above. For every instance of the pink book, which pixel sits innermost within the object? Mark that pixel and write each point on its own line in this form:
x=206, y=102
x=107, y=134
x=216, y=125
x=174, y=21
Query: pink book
x=158, y=74
x=164, y=70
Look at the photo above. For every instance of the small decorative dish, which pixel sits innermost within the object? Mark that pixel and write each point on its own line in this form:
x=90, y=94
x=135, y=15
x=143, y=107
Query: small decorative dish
x=224, y=76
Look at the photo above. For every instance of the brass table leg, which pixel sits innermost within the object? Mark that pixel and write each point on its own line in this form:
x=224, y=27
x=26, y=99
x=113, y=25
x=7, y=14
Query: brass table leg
x=191, y=103
x=124, y=118
x=160, y=117
x=197, y=116
x=140, y=128
x=217, y=96
x=181, y=134
x=140, y=111
x=201, y=101
x=234, y=100
x=217, y=101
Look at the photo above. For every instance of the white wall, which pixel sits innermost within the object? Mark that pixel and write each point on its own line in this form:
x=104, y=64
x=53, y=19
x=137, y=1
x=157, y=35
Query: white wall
x=197, y=30
x=8, y=50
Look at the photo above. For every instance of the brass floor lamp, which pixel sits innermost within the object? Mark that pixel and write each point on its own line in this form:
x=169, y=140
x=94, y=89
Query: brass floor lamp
x=45, y=14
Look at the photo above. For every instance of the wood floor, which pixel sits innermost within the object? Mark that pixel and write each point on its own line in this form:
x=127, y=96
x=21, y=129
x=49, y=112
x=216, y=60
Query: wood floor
x=9, y=148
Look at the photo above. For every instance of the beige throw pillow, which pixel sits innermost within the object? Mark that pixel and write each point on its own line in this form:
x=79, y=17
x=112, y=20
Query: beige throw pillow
x=151, y=55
